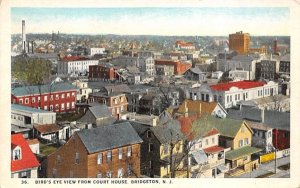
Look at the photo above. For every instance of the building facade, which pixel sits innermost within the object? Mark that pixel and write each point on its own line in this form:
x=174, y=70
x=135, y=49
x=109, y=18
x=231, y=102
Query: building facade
x=179, y=67
x=75, y=65
x=58, y=97
x=228, y=94
x=239, y=42
x=105, y=72
x=102, y=152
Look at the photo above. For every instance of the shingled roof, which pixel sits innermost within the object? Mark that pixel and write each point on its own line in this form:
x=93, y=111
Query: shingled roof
x=168, y=132
x=31, y=90
x=226, y=127
x=108, y=137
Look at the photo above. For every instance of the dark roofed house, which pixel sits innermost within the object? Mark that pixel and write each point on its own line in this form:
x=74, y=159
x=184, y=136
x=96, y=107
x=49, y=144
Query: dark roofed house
x=195, y=74
x=98, y=115
x=47, y=132
x=111, y=151
x=156, y=148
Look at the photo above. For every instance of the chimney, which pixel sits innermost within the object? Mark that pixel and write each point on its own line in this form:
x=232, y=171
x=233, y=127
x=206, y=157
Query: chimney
x=23, y=36
x=263, y=115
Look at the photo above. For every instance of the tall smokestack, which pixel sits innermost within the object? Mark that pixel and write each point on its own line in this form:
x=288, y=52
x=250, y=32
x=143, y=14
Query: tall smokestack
x=23, y=36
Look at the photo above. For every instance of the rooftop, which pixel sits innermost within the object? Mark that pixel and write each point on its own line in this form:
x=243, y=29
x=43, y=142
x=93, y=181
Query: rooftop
x=22, y=108
x=246, y=84
x=241, y=152
x=108, y=137
x=47, y=128
x=28, y=160
x=31, y=90
x=213, y=149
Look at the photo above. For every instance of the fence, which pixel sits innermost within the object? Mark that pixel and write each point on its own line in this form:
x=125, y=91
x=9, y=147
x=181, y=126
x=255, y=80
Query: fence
x=271, y=156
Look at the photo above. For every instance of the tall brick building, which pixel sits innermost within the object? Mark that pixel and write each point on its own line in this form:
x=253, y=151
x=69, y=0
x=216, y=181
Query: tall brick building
x=239, y=42
x=111, y=151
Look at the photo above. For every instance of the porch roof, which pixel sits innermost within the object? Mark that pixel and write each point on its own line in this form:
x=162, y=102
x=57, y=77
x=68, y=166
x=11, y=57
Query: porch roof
x=241, y=152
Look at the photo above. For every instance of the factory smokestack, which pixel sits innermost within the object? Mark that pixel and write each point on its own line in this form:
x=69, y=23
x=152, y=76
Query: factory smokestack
x=23, y=36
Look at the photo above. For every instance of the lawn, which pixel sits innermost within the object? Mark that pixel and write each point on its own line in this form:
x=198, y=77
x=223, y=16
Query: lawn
x=47, y=149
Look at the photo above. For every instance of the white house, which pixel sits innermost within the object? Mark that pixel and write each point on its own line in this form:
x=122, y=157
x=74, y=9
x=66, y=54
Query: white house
x=94, y=51
x=228, y=94
x=24, y=116
x=217, y=74
x=75, y=65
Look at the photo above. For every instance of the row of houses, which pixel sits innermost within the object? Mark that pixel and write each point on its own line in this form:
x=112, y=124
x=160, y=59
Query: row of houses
x=195, y=140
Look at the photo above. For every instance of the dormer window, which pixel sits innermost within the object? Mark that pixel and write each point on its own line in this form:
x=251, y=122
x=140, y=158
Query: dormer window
x=17, y=155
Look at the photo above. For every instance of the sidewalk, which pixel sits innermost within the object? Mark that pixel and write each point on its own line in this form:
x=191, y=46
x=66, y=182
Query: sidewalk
x=267, y=168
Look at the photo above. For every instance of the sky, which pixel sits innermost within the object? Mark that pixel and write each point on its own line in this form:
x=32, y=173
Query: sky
x=185, y=21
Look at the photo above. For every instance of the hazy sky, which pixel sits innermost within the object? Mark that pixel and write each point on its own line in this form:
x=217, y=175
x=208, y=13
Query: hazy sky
x=153, y=21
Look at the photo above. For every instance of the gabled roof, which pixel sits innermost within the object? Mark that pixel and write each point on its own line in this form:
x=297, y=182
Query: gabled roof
x=213, y=131
x=168, y=132
x=245, y=84
x=47, y=128
x=226, y=127
x=194, y=107
x=121, y=88
x=108, y=137
x=28, y=160
x=100, y=111
x=258, y=126
x=31, y=90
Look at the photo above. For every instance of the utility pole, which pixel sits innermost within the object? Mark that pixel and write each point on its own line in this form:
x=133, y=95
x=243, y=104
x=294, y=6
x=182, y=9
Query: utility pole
x=276, y=151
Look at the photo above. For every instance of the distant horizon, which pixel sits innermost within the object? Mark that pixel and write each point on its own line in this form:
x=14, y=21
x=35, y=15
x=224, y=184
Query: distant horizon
x=186, y=21
x=149, y=35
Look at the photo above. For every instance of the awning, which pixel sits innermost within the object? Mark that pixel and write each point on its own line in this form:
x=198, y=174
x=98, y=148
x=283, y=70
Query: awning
x=222, y=168
x=200, y=157
x=241, y=152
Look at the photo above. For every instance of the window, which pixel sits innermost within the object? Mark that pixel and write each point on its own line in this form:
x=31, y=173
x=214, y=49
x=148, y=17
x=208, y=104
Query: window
x=71, y=174
x=151, y=147
x=73, y=94
x=122, y=108
x=240, y=143
x=51, y=107
x=269, y=134
x=120, y=153
x=148, y=134
x=129, y=169
x=39, y=99
x=235, y=97
x=122, y=99
x=33, y=99
x=21, y=101
x=129, y=151
x=68, y=105
x=54, y=173
x=68, y=95
x=45, y=107
x=246, y=141
x=109, y=174
x=17, y=154
x=73, y=104
x=243, y=129
x=56, y=97
x=51, y=98
x=62, y=106
x=120, y=173
x=108, y=156
x=166, y=149
x=63, y=96
x=150, y=165
x=58, y=159
x=56, y=107
x=230, y=98
x=116, y=101
x=77, y=158
x=45, y=98
x=99, y=159
x=212, y=140
x=99, y=175
x=26, y=100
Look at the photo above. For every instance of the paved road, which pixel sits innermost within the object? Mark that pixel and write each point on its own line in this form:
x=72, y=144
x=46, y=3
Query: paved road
x=267, y=168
